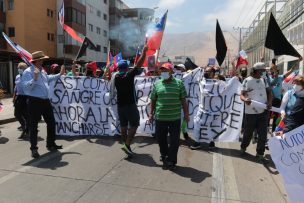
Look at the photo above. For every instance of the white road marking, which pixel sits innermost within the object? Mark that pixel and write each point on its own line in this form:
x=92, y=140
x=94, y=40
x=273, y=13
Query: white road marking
x=223, y=178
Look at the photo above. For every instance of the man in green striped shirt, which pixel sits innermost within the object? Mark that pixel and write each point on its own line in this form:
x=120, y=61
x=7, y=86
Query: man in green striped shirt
x=167, y=98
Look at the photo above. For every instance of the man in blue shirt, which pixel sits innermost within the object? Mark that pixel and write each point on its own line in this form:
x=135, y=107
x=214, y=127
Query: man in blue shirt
x=19, y=100
x=35, y=83
x=275, y=82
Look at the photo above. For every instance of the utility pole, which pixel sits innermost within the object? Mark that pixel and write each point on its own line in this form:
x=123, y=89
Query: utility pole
x=239, y=29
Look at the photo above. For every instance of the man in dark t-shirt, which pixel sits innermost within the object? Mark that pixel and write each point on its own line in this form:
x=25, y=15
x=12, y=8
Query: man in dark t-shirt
x=126, y=100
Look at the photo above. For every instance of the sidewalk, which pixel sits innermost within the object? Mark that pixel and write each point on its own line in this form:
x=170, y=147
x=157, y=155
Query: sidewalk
x=7, y=115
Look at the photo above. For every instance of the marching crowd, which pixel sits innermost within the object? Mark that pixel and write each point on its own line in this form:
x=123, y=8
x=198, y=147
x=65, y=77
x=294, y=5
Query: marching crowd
x=168, y=100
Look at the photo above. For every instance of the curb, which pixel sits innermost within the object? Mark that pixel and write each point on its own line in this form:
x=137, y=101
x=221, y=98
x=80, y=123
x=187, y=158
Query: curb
x=8, y=120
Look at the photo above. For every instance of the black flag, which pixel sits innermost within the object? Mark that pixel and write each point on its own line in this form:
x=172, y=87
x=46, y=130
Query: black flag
x=189, y=64
x=276, y=40
x=87, y=43
x=221, y=47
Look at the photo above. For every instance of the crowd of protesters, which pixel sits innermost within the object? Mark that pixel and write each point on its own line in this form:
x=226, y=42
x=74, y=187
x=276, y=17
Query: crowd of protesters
x=168, y=102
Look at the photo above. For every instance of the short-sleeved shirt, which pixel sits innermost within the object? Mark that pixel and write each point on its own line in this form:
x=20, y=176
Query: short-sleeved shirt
x=256, y=90
x=168, y=99
x=276, y=86
x=125, y=87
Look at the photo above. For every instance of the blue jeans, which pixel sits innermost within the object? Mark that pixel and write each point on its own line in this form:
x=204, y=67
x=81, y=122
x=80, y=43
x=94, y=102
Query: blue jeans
x=162, y=128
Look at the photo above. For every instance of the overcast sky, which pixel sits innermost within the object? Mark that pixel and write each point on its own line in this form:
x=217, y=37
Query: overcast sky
x=200, y=15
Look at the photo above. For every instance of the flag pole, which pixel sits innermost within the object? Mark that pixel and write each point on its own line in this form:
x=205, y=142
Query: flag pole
x=63, y=46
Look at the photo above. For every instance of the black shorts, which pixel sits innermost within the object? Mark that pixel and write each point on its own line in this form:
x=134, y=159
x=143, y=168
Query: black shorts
x=128, y=115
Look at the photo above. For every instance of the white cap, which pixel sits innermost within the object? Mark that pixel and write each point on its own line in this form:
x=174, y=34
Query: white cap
x=181, y=66
x=259, y=66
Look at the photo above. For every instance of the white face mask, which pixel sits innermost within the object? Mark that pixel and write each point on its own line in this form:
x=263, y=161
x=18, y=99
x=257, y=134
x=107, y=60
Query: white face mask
x=165, y=75
x=20, y=71
x=178, y=72
x=297, y=88
x=264, y=73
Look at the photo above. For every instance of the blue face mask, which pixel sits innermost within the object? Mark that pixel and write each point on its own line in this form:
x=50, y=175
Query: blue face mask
x=20, y=71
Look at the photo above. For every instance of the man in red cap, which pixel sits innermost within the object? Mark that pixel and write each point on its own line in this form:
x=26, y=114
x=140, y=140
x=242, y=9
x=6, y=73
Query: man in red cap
x=167, y=98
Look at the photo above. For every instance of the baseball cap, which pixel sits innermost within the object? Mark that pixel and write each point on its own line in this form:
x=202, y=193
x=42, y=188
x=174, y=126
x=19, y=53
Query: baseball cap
x=259, y=66
x=167, y=66
x=122, y=65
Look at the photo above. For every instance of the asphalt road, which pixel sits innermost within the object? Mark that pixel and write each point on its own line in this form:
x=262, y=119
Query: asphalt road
x=95, y=170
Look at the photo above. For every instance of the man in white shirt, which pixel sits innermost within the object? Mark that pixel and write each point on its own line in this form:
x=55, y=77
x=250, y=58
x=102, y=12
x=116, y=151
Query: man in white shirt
x=256, y=88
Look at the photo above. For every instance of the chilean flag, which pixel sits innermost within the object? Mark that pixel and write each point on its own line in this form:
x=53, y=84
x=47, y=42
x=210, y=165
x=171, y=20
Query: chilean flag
x=290, y=78
x=24, y=55
x=61, y=14
x=67, y=28
x=137, y=56
x=242, y=59
x=154, y=37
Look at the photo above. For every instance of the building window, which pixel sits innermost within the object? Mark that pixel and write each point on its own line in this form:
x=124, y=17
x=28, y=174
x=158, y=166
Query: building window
x=105, y=1
x=68, y=15
x=105, y=16
x=11, y=31
x=50, y=37
x=98, y=13
x=91, y=8
x=79, y=17
x=74, y=15
x=10, y=4
x=98, y=30
x=105, y=49
x=83, y=19
x=50, y=13
x=105, y=33
x=2, y=6
x=91, y=27
x=98, y=47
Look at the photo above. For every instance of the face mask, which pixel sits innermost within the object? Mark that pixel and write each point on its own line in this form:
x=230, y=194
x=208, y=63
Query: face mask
x=297, y=88
x=20, y=71
x=264, y=73
x=178, y=72
x=165, y=75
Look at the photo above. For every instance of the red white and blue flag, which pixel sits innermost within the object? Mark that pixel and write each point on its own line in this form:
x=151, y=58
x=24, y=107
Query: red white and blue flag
x=61, y=14
x=24, y=55
x=137, y=56
x=155, y=36
x=116, y=59
x=67, y=28
x=290, y=78
x=242, y=59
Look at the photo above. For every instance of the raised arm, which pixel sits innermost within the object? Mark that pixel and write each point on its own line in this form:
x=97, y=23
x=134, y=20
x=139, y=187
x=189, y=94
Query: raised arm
x=142, y=57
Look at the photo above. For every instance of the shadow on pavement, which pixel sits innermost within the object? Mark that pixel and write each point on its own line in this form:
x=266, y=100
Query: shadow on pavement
x=106, y=141
x=270, y=166
x=50, y=160
x=235, y=153
x=144, y=160
x=3, y=140
x=145, y=141
x=195, y=175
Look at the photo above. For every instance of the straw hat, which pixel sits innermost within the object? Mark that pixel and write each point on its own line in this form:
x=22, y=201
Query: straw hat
x=38, y=55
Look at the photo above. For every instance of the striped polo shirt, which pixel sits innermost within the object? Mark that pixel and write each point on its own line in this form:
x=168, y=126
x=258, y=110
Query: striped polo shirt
x=168, y=99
